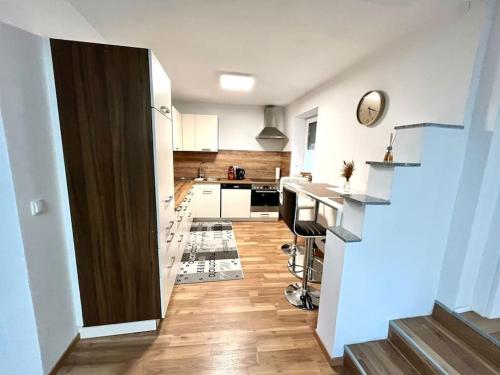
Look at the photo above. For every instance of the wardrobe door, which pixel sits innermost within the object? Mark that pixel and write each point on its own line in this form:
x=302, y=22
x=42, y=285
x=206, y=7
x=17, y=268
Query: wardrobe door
x=104, y=101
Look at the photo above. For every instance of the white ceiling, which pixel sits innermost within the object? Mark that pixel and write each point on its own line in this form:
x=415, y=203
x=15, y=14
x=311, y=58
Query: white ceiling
x=290, y=46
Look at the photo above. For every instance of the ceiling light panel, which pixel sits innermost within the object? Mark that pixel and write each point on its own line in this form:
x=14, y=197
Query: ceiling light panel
x=236, y=82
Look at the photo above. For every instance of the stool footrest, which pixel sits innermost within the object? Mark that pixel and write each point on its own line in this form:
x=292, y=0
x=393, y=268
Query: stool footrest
x=305, y=299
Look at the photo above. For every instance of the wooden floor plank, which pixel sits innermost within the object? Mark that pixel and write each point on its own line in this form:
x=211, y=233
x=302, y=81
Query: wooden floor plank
x=229, y=327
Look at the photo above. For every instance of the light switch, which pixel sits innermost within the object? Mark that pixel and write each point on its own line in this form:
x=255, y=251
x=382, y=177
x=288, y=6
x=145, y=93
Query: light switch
x=37, y=206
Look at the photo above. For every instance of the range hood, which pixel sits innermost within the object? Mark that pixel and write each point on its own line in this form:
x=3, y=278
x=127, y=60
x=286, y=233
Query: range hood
x=273, y=117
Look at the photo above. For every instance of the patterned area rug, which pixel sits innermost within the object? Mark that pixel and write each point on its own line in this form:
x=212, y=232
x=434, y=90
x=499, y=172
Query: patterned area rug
x=211, y=254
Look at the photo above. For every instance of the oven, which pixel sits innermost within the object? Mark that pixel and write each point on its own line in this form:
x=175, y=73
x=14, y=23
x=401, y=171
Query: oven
x=265, y=201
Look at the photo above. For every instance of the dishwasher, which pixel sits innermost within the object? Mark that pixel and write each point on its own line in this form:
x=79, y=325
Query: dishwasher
x=235, y=201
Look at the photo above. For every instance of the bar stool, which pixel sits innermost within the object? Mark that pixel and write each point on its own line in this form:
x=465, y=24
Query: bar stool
x=302, y=296
x=292, y=249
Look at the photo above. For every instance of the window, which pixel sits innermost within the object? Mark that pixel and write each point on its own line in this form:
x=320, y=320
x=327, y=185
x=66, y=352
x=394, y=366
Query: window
x=311, y=135
x=310, y=144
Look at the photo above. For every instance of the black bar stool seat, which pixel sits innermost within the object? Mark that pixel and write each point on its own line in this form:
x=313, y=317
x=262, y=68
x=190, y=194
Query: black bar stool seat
x=309, y=229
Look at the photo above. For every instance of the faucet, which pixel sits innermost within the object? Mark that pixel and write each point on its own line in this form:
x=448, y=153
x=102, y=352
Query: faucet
x=201, y=170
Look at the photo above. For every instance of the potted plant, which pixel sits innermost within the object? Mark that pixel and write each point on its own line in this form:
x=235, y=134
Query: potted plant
x=347, y=171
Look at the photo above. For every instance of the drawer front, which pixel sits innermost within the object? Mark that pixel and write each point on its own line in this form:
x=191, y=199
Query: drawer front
x=265, y=215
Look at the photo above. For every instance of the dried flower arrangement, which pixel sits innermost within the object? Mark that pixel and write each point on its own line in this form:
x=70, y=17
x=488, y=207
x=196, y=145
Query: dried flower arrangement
x=388, y=158
x=348, y=170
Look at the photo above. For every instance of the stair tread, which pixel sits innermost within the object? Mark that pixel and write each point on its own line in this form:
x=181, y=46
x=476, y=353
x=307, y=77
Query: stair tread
x=449, y=352
x=381, y=358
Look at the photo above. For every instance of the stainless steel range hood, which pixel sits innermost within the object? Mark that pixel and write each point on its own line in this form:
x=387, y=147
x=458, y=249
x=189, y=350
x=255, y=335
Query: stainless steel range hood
x=273, y=117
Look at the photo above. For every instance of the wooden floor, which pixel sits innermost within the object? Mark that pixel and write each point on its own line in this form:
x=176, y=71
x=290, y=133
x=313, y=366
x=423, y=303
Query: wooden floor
x=489, y=326
x=229, y=327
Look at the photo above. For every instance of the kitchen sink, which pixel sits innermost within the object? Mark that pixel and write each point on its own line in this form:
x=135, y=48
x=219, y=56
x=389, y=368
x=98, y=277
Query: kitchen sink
x=207, y=179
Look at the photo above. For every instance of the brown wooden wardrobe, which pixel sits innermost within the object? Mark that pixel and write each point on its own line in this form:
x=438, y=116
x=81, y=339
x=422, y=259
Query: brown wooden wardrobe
x=104, y=103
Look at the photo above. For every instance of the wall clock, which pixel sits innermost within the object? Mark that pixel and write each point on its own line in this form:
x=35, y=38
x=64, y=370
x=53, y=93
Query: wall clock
x=371, y=108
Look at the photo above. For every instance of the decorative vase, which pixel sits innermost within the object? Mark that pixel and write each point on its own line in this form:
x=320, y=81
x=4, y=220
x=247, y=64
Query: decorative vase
x=347, y=186
x=388, y=158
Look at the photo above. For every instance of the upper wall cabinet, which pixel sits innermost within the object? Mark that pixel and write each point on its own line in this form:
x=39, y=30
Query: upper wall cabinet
x=188, y=132
x=200, y=133
x=207, y=133
x=176, y=129
x=161, y=94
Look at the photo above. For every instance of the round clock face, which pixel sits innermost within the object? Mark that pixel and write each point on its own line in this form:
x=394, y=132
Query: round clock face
x=371, y=107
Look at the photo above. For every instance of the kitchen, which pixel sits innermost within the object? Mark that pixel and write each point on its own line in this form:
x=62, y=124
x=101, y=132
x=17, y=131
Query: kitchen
x=218, y=172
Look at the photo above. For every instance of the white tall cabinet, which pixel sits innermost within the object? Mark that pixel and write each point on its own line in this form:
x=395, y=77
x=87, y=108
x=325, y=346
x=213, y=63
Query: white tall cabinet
x=164, y=177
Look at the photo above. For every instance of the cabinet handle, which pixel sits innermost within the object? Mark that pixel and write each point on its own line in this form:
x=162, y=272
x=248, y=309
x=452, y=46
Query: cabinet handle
x=181, y=238
x=207, y=192
x=206, y=149
x=171, y=237
x=177, y=148
x=264, y=214
x=171, y=263
x=170, y=227
x=164, y=109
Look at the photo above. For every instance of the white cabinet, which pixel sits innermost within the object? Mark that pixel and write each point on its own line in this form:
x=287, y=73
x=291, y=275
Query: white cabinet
x=206, y=200
x=164, y=173
x=176, y=129
x=235, y=202
x=200, y=133
x=160, y=87
x=174, y=246
x=188, y=132
x=207, y=133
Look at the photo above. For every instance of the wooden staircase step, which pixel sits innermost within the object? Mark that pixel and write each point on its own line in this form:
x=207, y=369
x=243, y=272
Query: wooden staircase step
x=376, y=358
x=441, y=348
x=482, y=344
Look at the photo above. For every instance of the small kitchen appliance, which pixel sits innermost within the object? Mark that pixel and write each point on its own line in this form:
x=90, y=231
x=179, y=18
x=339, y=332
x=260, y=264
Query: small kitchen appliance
x=240, y=173
x=231, y=174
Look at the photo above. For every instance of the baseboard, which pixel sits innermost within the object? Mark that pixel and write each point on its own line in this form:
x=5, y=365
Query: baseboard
x=118, y=329
x=463, y=309
x=59, y=364
x=337, y=361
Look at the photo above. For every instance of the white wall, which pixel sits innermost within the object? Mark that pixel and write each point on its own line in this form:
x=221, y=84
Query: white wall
x=52, y=18
x=238, y=125
x=27, y=101
x=394, y=271
x=468, y=278
x=19, y=350
x=56, y=19
x=426, y=76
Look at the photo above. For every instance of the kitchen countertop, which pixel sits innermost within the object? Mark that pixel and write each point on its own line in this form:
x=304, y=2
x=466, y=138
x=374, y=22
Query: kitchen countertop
x=237, y=182
x=181, y=188
x=183, y=185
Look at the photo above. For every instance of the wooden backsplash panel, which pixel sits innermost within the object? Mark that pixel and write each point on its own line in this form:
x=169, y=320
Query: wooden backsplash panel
x=257, y=164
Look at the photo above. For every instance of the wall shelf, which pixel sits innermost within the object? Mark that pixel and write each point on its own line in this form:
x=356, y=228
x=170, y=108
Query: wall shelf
x=385, y=164
x=344, y=234
x=365, y=200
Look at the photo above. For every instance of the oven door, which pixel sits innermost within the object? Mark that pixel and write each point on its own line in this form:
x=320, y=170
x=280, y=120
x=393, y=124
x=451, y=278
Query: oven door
x=265, y=201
